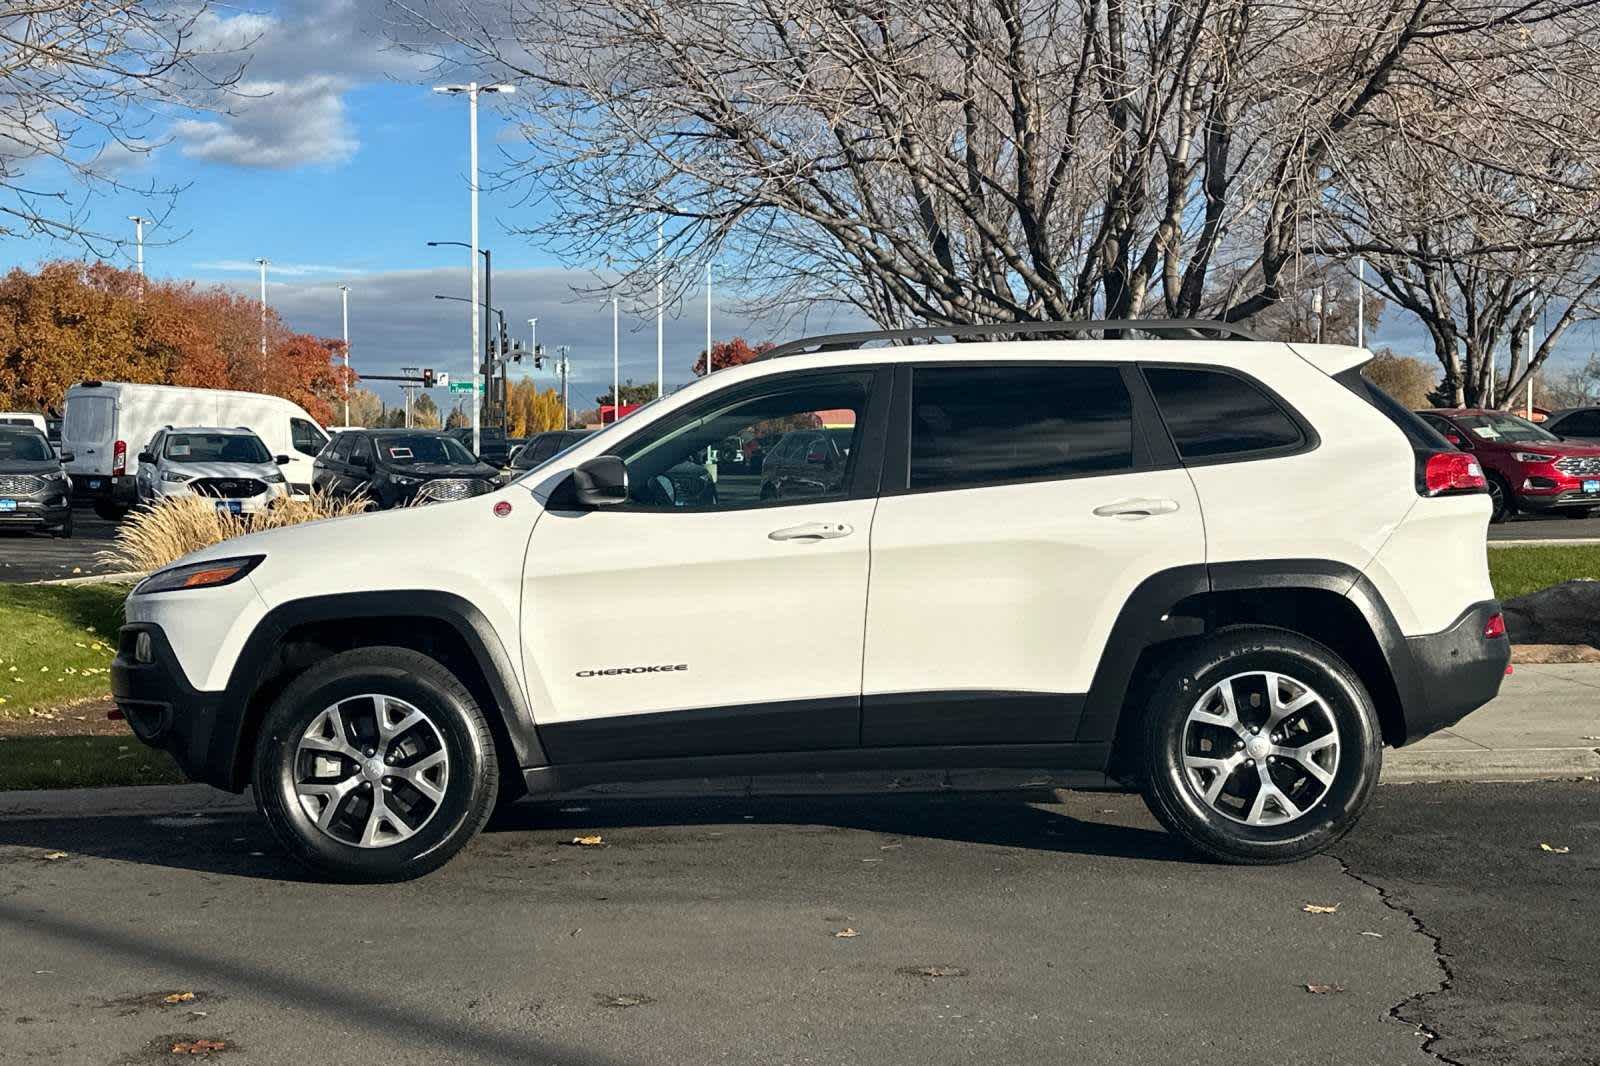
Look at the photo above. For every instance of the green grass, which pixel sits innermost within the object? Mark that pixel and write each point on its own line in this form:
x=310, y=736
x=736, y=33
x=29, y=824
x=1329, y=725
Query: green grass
x=56, y=644
x=82, y=762
x=1523, y=569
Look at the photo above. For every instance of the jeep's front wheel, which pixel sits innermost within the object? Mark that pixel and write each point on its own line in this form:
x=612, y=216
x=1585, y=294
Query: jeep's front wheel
x=375, y=765
x=1260, y=746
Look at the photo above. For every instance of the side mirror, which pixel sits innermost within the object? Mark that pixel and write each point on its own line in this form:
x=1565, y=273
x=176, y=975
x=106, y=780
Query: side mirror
x=144, y=457
x=601, y=482
x=67, y=457
x=281, y=460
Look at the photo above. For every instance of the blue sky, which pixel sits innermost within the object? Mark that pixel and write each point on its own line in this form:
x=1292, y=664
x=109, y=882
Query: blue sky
x=338, y=164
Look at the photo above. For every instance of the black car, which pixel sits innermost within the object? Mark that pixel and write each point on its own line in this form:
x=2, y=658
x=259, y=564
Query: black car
x=806, y=462
x=494, y=446
x=394, y=467
x=35, y=491
x=544, y=445
x=1575, y=423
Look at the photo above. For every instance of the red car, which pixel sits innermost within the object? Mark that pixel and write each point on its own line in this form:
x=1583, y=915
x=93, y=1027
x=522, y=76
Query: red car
x=1529, y=468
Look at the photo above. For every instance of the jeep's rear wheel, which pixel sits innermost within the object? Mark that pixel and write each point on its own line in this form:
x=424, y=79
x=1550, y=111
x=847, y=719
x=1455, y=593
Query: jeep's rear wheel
x=1260, y=746
x=375, y=765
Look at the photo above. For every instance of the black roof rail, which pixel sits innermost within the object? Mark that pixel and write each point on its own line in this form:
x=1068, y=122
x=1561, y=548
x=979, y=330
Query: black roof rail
x=1173, y=328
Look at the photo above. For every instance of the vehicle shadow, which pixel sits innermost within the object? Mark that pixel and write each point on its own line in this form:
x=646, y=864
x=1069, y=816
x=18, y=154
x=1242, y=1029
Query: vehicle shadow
x=237, y=843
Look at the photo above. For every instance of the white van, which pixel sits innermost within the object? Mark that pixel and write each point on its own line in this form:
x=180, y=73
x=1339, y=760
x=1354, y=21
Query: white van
x=108, y=423
x=23, y=418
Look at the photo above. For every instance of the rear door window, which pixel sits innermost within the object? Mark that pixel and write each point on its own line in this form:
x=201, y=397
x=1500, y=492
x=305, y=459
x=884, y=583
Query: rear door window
x=1212, y=414
x=89, y=418
x=982, y=425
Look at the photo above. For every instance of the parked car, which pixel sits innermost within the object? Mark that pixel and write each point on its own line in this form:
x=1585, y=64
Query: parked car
x=231, y=466
x=1575, y=423
x=493, y=446
x=1529, y=468
x=392, y=467
x=1226, y=573
x=34, y=489
x=805, y=462
x=546, y=445
x=106, y=421
x=25, y=418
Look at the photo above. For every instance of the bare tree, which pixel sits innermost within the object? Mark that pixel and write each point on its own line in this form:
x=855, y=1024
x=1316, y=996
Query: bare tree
x=83, y=84
x=982, y=160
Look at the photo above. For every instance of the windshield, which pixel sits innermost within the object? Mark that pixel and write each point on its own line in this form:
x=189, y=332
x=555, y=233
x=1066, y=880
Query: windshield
x=27, y=445
x=1505, y=428
x=216, y=448
x=406, y=449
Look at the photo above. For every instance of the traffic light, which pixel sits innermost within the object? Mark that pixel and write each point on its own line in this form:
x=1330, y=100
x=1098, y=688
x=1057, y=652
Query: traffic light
x=427, y=379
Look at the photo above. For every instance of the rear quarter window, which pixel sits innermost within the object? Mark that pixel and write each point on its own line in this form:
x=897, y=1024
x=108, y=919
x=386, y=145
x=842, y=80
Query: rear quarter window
x=1421, y=434
x=1214, y=415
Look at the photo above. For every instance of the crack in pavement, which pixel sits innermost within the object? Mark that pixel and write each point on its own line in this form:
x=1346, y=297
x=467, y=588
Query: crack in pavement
x=1447, y=978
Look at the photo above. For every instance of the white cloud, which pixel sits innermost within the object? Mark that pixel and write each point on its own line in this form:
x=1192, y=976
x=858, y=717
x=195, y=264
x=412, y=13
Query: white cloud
x=276, y=125
x=249, y=266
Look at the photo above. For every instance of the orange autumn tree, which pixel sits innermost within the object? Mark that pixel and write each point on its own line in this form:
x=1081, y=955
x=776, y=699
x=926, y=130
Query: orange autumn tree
x=724, y=354
x=71, y=321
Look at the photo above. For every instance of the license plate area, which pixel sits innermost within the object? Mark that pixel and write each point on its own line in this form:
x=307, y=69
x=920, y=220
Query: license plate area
x=230, y=506
x=7, y=505
x=1591, y=486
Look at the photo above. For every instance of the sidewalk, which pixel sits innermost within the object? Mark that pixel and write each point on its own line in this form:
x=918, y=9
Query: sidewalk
x=1546, y=723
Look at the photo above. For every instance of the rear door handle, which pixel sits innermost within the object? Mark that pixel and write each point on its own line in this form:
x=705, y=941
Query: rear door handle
x=1134, y=509
x=812, y=531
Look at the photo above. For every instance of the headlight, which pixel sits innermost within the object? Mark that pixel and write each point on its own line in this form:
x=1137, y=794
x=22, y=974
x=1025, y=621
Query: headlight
x=1532, y=457
x=204, y=575
x=401, y=479
x=59, y=475
x=274, y=478
x=172, y=477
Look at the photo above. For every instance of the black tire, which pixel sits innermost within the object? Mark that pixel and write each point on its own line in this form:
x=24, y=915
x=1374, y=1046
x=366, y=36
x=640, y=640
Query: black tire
x=1174, y=796
x=64, y=530
x=470, y=789
x=1500, y=496
x=109, y=511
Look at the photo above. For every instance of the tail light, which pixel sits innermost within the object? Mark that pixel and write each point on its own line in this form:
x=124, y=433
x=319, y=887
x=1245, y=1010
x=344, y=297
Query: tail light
x=1449, y=473
x=1495, y=626
x=119, y=458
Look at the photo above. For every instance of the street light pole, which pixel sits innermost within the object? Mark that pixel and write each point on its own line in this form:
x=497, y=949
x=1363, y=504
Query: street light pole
x=344, y=307
x=616, y=379
x=472, y=90
x=566, y=415
x=708, y=320
x=138, y=242
x=660, y=342
x=262, y=262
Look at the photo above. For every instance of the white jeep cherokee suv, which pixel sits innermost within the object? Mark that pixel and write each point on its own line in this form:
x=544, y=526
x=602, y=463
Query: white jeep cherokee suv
x=1224, y=571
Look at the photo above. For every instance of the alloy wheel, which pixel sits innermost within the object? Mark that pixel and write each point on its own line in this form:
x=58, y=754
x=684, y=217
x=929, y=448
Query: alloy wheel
x=371, y=770
x=1261, y=748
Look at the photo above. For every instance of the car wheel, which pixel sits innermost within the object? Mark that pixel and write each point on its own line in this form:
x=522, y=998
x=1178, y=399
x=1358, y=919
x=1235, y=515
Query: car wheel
x=375, y=765
x=1500, y=497
x=1259, y=746
x=64, y=530
x=109, y=511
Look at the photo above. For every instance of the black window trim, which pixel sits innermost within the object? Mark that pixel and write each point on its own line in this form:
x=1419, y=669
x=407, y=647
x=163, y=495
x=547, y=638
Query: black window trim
x=866, y=464
x=1309, y=441
x=1148, y=455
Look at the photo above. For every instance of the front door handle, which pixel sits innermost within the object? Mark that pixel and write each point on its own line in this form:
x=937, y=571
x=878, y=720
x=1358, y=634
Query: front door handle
x=1137, y=508
x=812, y=531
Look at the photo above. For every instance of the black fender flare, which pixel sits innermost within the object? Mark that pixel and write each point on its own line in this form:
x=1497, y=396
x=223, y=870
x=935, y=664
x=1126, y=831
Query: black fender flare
x=1147, y=619
x=460, y=614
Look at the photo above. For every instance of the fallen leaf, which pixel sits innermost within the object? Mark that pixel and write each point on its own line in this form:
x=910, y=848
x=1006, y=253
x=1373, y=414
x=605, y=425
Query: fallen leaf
x=589, y=841
x=178, y=997
x=1554, y=850
x=1318, y=908
x=932, y=971
x=1324, y=990
x=54, y=855
x=198, y=1047
x=845, y=934
x=625, y=999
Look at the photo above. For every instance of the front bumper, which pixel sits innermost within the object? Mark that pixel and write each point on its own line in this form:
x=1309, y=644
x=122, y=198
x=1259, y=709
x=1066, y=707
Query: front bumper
x=166, y=712
x=52, y=510
x=1452, y=672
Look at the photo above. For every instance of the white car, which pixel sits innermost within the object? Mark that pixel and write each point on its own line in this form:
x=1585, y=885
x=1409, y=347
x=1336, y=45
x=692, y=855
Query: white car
x=231, y=466
x=1223, y=571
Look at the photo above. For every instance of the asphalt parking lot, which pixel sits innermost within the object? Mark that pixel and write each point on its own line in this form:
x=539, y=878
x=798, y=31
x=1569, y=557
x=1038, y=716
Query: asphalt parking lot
x=1540, y=527
x=30, y=556
x=986, y=929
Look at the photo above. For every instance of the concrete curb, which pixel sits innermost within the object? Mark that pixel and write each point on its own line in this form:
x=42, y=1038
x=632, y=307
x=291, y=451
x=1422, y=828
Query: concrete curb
x=1401, y=766
x=126, y=578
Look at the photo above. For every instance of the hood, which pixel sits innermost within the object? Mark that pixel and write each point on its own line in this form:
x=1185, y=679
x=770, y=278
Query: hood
x=437, y=470
x=224, y=470
x=29, y=466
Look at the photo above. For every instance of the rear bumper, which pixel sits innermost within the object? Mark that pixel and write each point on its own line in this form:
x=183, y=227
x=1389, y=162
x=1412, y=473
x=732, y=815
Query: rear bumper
x=120, y=489
x=166, y=712
x=1444, y=676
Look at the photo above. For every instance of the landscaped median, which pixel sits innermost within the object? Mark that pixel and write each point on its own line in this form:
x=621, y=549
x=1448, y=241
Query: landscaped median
x=1519, y=569
x=56, y=646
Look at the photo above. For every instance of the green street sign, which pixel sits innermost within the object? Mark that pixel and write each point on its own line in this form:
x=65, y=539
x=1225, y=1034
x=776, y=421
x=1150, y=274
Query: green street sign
x=461, y=386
